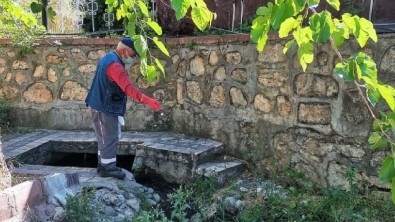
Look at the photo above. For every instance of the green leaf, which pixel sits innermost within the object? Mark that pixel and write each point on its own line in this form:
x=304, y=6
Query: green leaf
x=320, y=24
x=393, y=191
x=151, y=73
x=301, y=3
x=200, y=4
x=387, y=171
x=334, y=3
x=377, y=141
x=141, y=46
x=160, y=66
x=344, y=71
x=349, y=21
x=388, y=94
x=303, y=35
x=338, y=37
x=280, y=12
x=35, y=7
x=287, y=26
x=131, y=28
x=373, y=95
x=264, y=11
x=143, y=8
x=305, y=54
x=201, y=17
x=111, y=4
x=366, y=66
x=368, y=28
x=143, y=66
x=51, y=14
x=259, y=31
x=288, y=45
x=161, y=46
x=122, y=12
x=376, y=125
x=363, y=31
x=155, y=26
x=181, y=7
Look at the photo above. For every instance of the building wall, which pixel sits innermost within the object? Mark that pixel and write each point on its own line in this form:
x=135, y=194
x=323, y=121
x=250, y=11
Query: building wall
x=260, y=104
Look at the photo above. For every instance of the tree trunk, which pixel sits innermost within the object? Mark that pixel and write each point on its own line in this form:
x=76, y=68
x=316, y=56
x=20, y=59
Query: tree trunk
x=5, y=175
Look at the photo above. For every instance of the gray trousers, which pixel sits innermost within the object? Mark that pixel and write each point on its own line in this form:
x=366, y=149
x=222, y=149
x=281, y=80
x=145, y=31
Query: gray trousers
x=107, y=134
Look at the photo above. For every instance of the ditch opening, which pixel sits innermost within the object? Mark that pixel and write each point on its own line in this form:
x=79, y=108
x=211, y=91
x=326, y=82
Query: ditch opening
x=85, y=155
x=88, y=160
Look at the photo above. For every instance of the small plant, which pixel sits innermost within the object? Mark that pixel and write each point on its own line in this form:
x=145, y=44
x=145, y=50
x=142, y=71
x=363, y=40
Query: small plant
x=255, y=153
x=155, y=215
x=191, y=46
x=251, y=214
x=179, y=201
x=80, y=208
x=5, y=118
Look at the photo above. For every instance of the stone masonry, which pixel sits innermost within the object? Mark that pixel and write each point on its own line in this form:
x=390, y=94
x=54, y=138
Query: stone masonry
x=219, y=87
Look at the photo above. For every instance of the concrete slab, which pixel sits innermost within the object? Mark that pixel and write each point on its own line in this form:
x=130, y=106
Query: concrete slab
x=221, y=170
x=174, y=156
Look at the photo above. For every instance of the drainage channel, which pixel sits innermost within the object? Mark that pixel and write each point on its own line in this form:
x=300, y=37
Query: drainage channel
x=84, y=155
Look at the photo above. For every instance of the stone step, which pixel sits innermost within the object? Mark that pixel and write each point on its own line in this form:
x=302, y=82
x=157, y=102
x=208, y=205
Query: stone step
x=174, y=156
x=86, y=176
x=223, y=170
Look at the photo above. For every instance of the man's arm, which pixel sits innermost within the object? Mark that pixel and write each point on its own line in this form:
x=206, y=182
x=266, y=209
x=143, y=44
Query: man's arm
x=117, y=73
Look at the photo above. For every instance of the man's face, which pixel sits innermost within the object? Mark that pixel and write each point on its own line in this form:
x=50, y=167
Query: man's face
x=128, y=52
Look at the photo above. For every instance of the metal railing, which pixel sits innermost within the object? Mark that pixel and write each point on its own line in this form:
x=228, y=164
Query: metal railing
x=71, y=14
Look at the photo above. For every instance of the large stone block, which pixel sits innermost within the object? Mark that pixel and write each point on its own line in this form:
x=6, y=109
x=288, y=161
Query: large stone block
x=284, y=106
x=8, y=93
x=38, y=93
x=197, y=66
x=72, y=90
x=194, y=92
x=17, y=64
x=262, y=103
x=220, y=73
x=314, y=113
x=240, y=75
x=237, y=97
x=312, y=85
x=233, y=57
x=54, y=59
x=272, y=79
x=217, y=98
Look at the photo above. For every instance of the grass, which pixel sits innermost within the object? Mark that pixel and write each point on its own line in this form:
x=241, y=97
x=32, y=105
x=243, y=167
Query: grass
x=300, y=202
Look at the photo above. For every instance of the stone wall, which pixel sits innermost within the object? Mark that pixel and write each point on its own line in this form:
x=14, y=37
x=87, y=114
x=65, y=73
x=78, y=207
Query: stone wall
x=261, y=105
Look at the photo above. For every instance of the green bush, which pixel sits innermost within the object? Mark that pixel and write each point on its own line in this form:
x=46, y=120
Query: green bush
x=79, y=208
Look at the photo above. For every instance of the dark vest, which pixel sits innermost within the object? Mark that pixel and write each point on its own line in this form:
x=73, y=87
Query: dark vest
x=104, y=95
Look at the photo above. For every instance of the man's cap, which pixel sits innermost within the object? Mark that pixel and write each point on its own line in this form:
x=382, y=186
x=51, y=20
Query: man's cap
x=129, y=43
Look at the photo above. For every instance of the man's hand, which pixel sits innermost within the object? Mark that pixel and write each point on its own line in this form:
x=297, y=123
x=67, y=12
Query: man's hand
x=152, y=103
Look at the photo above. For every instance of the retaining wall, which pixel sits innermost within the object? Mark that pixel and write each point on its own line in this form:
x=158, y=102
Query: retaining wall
x=262, y=106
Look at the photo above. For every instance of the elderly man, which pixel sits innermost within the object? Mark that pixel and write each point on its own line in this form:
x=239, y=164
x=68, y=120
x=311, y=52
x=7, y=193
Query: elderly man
x=107, y=101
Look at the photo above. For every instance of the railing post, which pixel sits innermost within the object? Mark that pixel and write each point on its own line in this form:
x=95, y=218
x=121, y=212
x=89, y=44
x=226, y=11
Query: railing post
x=44, y=14
x=92, y=10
